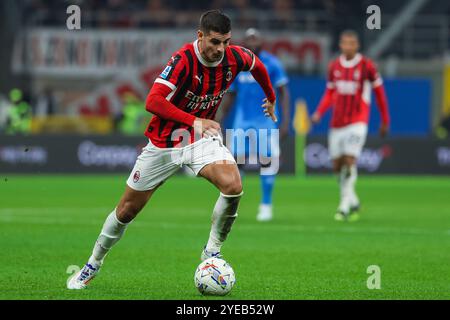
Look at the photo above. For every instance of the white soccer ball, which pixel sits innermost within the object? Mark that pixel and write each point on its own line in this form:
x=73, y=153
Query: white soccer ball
x=215, y=277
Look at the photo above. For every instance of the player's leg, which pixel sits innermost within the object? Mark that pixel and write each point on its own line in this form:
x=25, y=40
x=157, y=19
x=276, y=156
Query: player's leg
x=351, y=176
x=335, y=149
x=152, y=168
x=212, y=160
x=337, y=165
x=225, y=176
x=268, y=153
x=353, y=143
x=130, y=204
x=265, y=207
x=347, y=179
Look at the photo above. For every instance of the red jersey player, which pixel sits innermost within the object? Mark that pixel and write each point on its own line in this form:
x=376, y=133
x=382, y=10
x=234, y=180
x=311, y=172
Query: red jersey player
x=184, y=100
x=350, y=79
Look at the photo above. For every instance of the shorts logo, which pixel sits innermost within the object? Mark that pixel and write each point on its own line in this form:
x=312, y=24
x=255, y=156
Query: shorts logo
x=229, y=75
x=136, y=176
x=165, y=72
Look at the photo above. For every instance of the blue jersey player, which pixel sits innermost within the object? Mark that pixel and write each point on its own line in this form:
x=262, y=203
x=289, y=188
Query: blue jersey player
x=261, y=134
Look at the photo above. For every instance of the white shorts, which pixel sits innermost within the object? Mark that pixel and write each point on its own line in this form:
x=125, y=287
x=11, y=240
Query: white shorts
x=347, y=141
x=154, y=165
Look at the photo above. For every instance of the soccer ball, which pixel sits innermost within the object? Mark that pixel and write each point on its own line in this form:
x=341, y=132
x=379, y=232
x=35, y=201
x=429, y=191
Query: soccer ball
x=215, y=277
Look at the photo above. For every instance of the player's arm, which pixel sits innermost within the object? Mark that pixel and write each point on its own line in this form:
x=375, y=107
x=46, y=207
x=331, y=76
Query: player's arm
x=259, y=72
x=327, y=99
x=158, y=99
x=324, y=105
x=380, y=97
x=157, y=103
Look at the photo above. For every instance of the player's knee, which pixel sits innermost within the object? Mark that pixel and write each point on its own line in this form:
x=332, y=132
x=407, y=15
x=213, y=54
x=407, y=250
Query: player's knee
x=348, y=161
x=232, y=188
x=127, y=211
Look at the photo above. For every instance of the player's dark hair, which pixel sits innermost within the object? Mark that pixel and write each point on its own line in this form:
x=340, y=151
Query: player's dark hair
x=349, y=33
x=215, y=20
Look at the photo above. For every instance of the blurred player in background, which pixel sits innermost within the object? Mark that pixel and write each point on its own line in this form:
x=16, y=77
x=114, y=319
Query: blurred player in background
x=350, y=79
x=184, y=100
x=245, y=96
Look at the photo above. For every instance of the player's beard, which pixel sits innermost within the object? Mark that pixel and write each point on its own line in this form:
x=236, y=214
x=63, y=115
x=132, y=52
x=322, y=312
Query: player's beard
x=216, y=58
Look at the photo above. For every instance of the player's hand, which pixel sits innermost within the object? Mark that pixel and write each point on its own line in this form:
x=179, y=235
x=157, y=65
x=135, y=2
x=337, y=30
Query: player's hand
x=384, y=130
x=269, y=109
x=315, y=118
x=206, y=127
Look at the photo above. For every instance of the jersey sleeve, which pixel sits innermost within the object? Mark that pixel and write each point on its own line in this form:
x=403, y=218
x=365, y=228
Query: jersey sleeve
x=373, y=75
x=245, y=58
x=174, y=73
x=327, y=98
x=278, y=75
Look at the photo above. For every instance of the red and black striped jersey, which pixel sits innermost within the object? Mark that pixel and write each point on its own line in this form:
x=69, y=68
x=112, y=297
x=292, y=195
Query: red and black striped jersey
x=197, y=87
x=352, y=82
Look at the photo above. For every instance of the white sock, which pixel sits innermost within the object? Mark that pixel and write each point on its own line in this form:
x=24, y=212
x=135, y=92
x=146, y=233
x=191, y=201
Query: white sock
x=111, y=232
x=224, y=214
x=347, y=181
x=354, y=200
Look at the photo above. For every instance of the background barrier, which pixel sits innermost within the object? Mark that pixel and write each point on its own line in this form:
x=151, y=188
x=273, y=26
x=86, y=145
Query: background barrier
x=387, y=156
x=114, y=154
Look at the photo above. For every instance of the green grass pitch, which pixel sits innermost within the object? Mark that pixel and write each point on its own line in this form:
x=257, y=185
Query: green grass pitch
x=48, y=223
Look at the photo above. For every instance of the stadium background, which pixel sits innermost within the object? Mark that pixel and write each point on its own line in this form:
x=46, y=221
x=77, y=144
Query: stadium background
x=78, y=86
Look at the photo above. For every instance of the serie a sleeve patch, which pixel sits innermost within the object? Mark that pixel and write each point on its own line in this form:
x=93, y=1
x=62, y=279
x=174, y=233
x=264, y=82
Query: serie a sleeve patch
x=165, y=72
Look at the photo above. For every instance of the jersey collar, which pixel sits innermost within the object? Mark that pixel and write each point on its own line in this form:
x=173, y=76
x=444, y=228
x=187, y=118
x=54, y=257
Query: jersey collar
x=203, y=61
x=350, y=63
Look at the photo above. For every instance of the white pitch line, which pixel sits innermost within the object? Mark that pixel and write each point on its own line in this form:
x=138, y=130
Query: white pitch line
x=61, y=210
x=48, y=210
x=200, y=226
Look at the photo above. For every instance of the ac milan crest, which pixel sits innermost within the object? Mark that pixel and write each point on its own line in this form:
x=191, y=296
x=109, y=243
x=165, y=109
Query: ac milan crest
x=229, y=75
x=136, y=176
